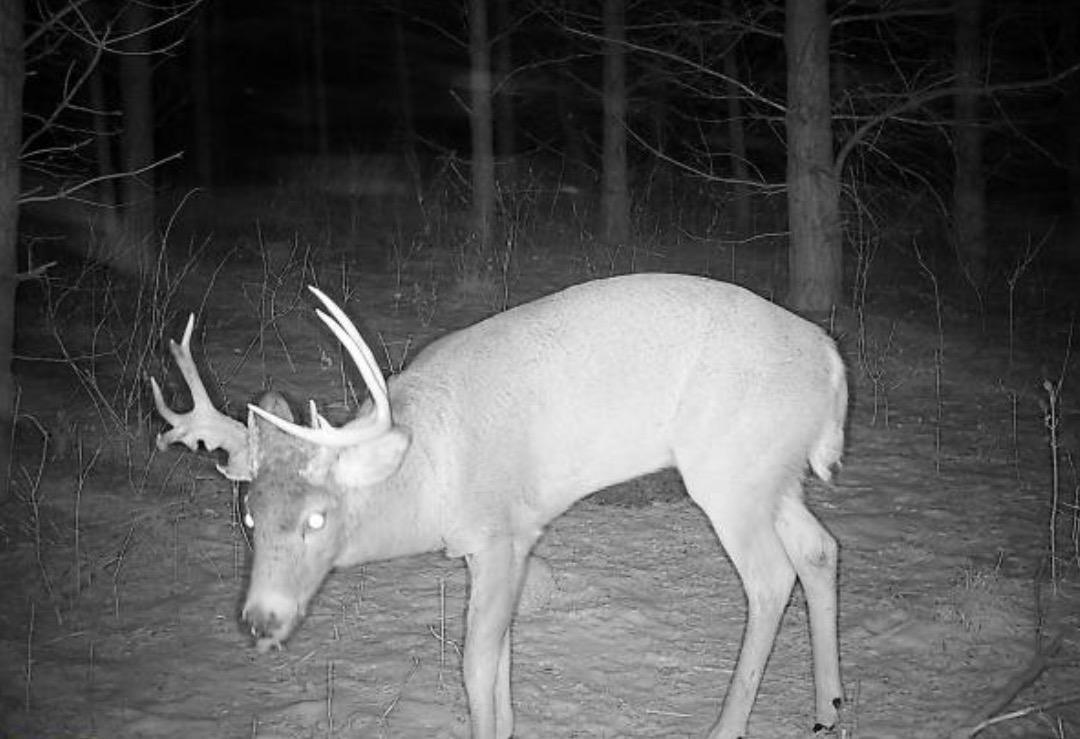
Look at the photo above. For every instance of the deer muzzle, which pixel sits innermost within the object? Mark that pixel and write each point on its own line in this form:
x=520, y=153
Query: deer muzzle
x=272, y=618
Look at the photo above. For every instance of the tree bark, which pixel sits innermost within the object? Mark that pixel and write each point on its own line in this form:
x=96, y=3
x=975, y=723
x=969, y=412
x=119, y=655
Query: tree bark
x=202, y=112
x=407, y=116
x=576, y=163
x=969, y=184
x=137, y=143
x=814, y=262
x=11, y=88
x=506, y=138
x=1071, y=127
x=737, y=137
x=615, y=194
x=318, y=67
x=110, y=232
x=480, y=122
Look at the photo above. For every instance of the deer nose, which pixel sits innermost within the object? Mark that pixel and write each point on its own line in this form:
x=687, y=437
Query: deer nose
x=271, y=618
x=264, y=624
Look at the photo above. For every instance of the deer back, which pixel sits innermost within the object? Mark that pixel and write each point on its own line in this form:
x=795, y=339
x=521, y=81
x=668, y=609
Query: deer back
x=517, y=417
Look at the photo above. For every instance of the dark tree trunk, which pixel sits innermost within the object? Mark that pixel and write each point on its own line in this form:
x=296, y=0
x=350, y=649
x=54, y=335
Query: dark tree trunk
x=407, y=120
x=201, y=98
x=318, y=66
x=969, y=185
x=505, y=134
x=814, y=263
x=1071, y=126
x=11, y=87
x=137, y=143
x=574, y=155
x=737, y=137
x=301, y=54
x=111, y=233
x=615, y=194
x=483, y=155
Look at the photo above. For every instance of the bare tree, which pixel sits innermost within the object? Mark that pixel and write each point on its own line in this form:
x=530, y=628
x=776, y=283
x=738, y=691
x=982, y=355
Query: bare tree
x=137, y=140
x=814, y=260
x=615, y=195
x=106, y=191
x=318, y=78
x=969, y=183
x=406, y=116
x=1071, y=104
x=201, y=97
x=67, y=126
x=480, y=122
x=11, y=89
x=736, y=126
x=878, y=146
x=69, y=134
x=505, y=133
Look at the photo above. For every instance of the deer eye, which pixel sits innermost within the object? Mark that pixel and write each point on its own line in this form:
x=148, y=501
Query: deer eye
x=316, y=520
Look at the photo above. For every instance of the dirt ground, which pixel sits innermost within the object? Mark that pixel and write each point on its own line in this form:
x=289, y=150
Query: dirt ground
x=123, y=568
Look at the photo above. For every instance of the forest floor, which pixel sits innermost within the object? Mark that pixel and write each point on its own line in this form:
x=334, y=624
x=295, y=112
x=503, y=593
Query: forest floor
x=122, y=568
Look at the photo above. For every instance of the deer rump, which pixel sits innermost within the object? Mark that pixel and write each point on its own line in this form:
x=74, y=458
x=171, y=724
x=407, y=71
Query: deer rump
x=493, y=431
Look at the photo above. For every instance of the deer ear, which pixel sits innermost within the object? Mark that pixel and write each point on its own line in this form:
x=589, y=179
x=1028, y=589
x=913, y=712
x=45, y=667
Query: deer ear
x=371, y=461
x=259, y=429
x=275, y=403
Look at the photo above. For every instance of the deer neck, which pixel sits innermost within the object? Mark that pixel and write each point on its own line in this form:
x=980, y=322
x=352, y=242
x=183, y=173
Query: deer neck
x=403, y=515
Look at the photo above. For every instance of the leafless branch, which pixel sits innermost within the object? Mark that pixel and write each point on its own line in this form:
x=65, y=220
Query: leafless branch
x=68, y=191
x=921, y=98
x=70, y=90
x=698, y=67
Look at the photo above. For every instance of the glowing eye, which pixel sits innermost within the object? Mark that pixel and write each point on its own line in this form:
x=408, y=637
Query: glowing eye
x=316, y=521
x=249, y=521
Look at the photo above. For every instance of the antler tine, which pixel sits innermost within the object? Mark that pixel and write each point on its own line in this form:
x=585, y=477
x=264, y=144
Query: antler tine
x=320, y=431
x=203, y=423
x=372, y=376
x=163, y=410
x=358, y=349
x=199, y=397
x=316, y=419
x=182, y=354
x=356, y=339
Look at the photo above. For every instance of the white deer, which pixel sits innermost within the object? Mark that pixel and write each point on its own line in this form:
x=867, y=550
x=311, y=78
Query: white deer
x=495, y=430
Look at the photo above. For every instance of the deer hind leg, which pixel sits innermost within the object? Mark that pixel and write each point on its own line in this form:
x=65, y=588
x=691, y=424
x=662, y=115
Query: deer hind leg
x=812, y=551
x=741, y=507
x=496, y=575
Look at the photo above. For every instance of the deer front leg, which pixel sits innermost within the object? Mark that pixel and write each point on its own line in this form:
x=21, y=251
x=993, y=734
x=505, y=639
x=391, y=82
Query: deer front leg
x=496, y=575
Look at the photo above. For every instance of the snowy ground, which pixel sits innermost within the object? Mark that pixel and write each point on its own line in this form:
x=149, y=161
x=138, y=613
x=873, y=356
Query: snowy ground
x=119, y=615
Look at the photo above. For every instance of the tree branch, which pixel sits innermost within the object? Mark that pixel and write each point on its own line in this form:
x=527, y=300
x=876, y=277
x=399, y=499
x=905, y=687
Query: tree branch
x=919, y=99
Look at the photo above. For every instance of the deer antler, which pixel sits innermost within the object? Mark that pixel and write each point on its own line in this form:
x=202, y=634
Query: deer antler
x=377, y=422
x=203, y=423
